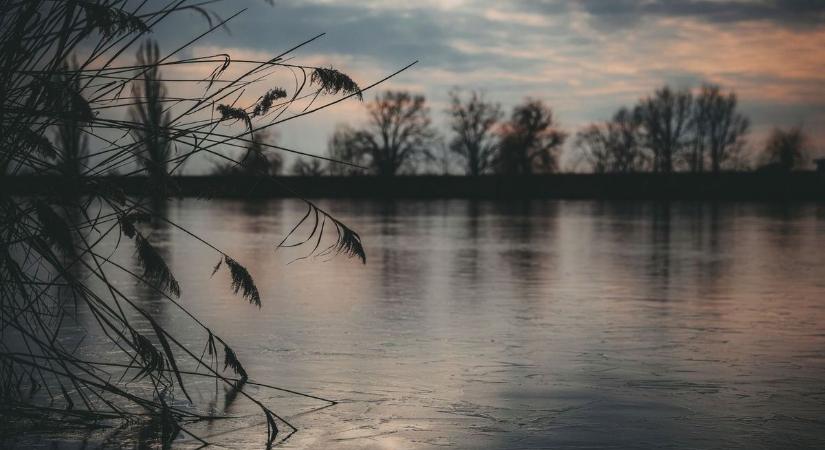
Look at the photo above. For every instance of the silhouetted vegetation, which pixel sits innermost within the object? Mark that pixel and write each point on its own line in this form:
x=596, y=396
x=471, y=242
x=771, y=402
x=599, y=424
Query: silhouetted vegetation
x=52, y=264
x=72, y=140
x=614, y=146
x=398, y=135
x=308, y=167
x=341, y=148
x=786, y=150
x=257, y=160
x=665, y=126
x=150, y=117
x=719, y=129
x=473, y=121
x=668, y=131
x=530, y=141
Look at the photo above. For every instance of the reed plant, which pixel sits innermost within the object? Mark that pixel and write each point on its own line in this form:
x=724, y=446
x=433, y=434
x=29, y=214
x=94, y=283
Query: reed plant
x=74, y=103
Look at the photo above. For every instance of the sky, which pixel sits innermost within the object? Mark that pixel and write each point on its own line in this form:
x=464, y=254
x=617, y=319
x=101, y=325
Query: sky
x=585, y=58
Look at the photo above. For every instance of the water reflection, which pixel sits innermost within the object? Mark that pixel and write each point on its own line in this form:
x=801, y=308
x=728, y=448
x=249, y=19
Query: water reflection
x=149, y=298
x=466, y=264
x=526, y=324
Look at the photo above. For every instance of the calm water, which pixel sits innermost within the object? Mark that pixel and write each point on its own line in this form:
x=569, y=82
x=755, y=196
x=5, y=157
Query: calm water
x=539, y=324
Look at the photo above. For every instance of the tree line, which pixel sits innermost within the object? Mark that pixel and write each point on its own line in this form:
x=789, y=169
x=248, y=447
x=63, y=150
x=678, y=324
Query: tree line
x=667, y=131
x=677, y=130
x=399, y=138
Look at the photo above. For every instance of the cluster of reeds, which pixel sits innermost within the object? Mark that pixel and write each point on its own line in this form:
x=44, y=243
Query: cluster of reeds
x=72, y=108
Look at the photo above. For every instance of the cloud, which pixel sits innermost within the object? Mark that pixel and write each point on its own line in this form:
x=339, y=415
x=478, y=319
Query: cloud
x=621, y=13
x=585, y=57
x=371, y=29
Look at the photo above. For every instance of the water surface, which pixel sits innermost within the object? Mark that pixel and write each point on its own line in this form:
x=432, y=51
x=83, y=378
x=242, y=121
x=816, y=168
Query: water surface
x=540, y=324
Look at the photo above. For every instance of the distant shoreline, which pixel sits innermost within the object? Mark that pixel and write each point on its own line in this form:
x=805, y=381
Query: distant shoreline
x=809, y=186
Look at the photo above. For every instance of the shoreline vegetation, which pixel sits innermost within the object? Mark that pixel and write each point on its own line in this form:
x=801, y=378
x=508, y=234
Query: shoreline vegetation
x=672, y=130
x=760, y=186
x=74, y=105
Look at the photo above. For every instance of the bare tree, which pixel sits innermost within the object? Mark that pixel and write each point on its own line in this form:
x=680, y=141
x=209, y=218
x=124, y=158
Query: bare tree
x=530, y=140
x=719, y=129
x=614, y=145
x=593, y=144
x=344, y=146
x=624, y=133
x=444, y=159
x=786, y=149
x=312, y=167
x=398, y=134
x=473, y=121
x=666, y=123
x=255, y=161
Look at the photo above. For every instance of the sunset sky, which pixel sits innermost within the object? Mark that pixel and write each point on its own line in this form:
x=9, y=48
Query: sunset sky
x=586, y=58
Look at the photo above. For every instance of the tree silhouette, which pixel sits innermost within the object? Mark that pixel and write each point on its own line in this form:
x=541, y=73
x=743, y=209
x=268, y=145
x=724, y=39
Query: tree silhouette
x=666, y=124
x=719, y=129
x=473, y=121
x=786, y=150
x=444, y=159
x=342, y=146
x=73, y=143
x=530, y=141
x=593, y=144
x=624, y=134
x=614, y=145
x=152, y=120
x=398, y=134
x=308, y=168
x=255, y=161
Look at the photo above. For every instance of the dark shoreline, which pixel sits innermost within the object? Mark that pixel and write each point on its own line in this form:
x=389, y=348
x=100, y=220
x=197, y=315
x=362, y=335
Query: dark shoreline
x=680, y=186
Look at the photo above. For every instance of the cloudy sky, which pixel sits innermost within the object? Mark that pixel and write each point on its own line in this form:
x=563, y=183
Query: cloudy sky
x=586, y=58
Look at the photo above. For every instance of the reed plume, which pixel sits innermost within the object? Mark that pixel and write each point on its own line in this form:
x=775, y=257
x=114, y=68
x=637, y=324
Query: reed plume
x=49, y=240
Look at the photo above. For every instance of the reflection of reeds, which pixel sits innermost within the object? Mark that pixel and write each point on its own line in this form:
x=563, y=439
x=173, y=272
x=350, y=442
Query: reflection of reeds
x=46, y=240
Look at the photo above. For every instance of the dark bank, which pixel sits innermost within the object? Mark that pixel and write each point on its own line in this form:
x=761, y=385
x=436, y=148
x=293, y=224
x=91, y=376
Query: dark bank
x=809, y=186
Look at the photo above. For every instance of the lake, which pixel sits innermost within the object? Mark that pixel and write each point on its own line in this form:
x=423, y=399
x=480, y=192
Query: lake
x=534, y=324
